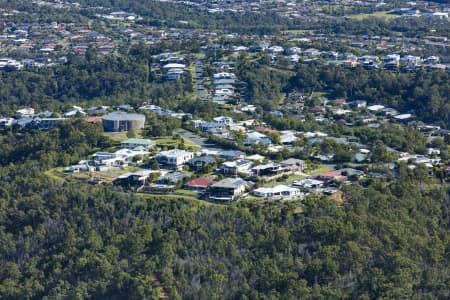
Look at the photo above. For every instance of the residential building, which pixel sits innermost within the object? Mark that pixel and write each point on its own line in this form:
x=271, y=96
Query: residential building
x=227, y=190
x=174, y=157
x=278, y=191
x=198, y=163
x=199, y=184
x=25, y=112
x=235, y=167
x=134, y=143
x=257, y=138
x=172, y=178
x=137, y=178
x=308, y=183
x=232, y=154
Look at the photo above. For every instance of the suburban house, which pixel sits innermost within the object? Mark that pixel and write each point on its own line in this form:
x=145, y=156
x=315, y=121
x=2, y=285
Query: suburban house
x=108, y=159
x=232, y=154
x=227, y=190
x=273, y=170
x=47, y=123
x=331, y=175
x=199, y=184
x=224, y=120
x=136, y=178
x=278, y=191
x=6, y=122
x=235, y=167
x=174, y=157
x=25, y=112
x=308, y=183
x=296, y=165
x=198, y=163
x=172, y=178
x=288, y=138
x=209, y=126
x=257, y=138
x=134, y=143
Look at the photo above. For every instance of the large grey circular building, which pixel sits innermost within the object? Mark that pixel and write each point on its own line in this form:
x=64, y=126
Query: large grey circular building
x=122, y=121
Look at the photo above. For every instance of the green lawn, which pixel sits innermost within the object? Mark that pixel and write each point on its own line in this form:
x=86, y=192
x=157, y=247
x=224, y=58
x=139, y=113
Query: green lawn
x=187, y=192
x=170, y=142
x=286, y=181
x=320, y=169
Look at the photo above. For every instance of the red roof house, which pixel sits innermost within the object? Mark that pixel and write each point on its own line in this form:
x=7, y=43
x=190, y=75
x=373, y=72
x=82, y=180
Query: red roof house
x=201, y=183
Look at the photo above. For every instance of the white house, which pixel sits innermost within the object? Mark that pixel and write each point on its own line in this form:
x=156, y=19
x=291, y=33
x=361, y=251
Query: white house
x=6, y=122
x=224, y=75
x=278, y=191
x=174, y=157
x=27, y=112
x=308, y=183
x=74, y=111
x=236, y=167
x=224, y=120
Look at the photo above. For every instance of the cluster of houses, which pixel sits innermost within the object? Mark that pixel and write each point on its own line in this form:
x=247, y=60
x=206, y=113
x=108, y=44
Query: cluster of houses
x=45, y=44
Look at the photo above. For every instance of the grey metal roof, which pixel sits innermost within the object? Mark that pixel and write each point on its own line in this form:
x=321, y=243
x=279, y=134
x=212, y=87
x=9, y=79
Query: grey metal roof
x=123, y=116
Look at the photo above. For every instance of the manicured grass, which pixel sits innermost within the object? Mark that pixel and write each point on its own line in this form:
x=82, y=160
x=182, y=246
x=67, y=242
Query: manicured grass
x=320, y=169
x=187, y=192
x=173, y=143
x=286, y=181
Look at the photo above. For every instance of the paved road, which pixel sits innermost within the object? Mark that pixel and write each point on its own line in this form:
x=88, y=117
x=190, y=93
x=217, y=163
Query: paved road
x=202, y=92
x=198, y=140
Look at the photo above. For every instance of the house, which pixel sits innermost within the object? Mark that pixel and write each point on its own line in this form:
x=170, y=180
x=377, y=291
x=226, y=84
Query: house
x=227, y=190
x=137, y=178
x=232, y=154
x=105, y=160
x=172, y=178
x=308, y=183
x=199, y=184
x=331, y=175
x=278, y=191
x=257, y=138
x=174, y=157
x=288, y=138
x=268, y=170
x=296, y=165
x=375, y=108
x=74, y=111
x=82, y=166
x=209, y=126
x=199, y=163
x=351, y=172
x=224, y=120
x=235, y=167
x=47, y=123
x=134, y=143
x=25, y=112
x=311, y=52
x=128, y=154
x=6, y=122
